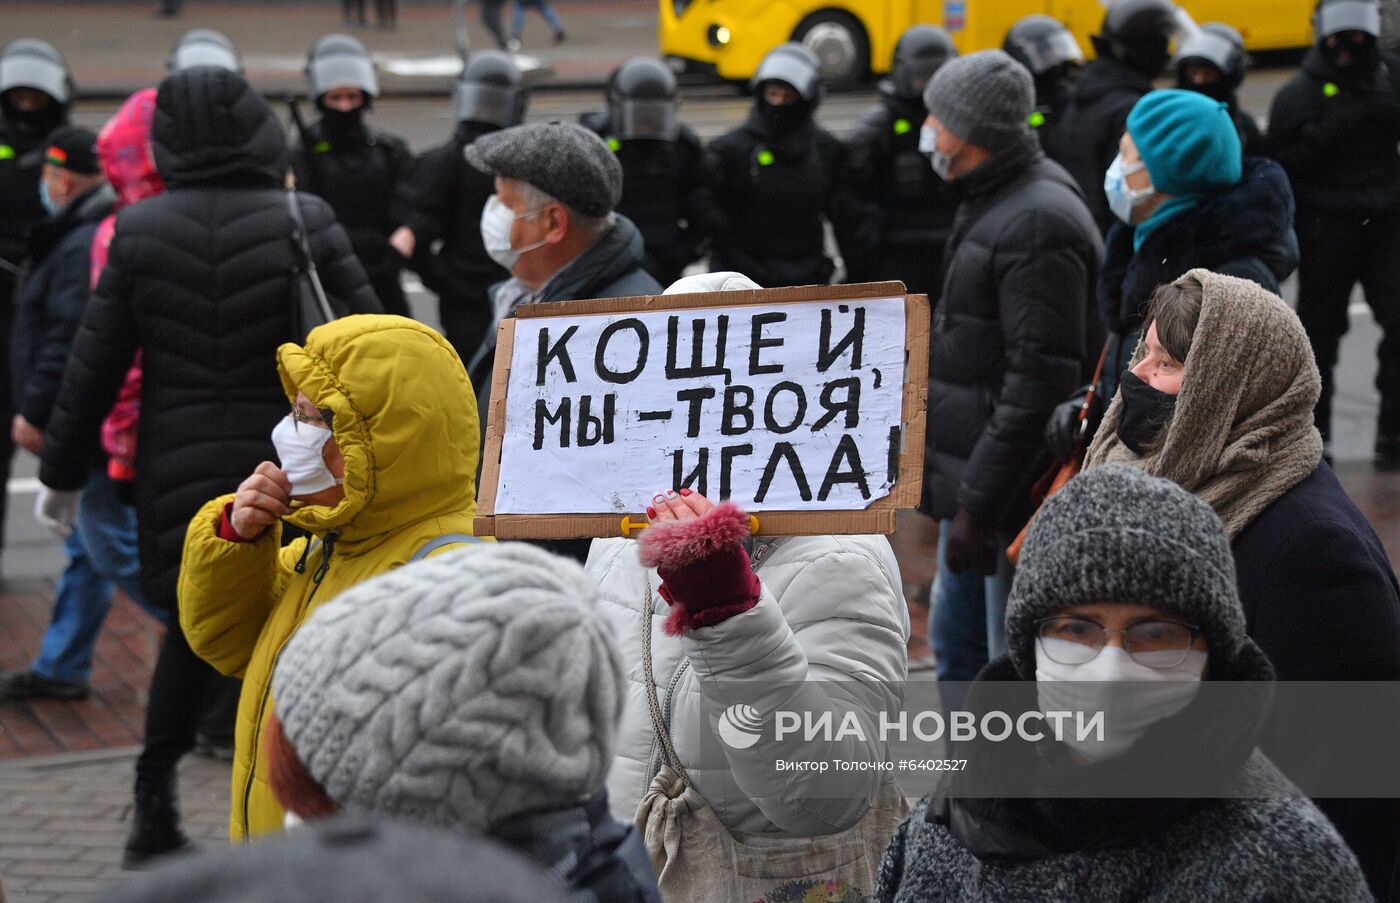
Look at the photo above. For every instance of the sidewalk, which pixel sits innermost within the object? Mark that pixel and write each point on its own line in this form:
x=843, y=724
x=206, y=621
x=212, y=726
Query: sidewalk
x=115, y=48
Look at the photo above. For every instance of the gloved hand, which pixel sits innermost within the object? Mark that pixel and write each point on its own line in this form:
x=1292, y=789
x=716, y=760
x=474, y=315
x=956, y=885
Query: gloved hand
x=1062, y=429
x=697, y=548
x=972, y=544
x=57, y=509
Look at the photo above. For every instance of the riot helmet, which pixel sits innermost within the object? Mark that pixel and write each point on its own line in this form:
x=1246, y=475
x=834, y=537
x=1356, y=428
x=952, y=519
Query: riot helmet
x=204, y=47
x=340, y=61
x=1042, y=44
x=36, y=64
x=920, y=51
x=1138, y=33
x=490, y=90
x=642, y=100
x=794, y=65
x=1218, y=45
x=1347, y=33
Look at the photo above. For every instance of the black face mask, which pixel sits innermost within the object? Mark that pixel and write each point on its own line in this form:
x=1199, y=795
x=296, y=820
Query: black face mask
x=34, y=124
x=1146, y=411
x=342, y=126
x=1219, y=90
x=783, y=119
x=1363, y=58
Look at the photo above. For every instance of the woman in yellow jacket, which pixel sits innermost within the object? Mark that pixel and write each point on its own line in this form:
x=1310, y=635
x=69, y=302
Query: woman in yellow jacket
x=379, y=462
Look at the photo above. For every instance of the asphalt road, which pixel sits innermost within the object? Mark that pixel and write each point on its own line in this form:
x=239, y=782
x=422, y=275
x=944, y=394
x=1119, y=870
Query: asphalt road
x=30, y=551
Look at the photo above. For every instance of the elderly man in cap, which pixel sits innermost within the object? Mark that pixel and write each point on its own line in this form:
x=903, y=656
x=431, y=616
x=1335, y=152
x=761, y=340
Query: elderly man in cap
x=1009, y=341
x=551, y=224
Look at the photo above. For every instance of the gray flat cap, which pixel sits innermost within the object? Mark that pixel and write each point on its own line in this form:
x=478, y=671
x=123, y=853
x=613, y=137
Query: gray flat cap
x=564, y=160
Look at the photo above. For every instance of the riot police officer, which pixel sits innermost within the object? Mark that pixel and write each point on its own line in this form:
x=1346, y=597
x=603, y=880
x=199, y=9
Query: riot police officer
x=355, y=168
x=1133, y=49
x=204, y=47
x=1334, y=127
x=777, y=176
x=36, y=91
x=904, y=203
x=664, y=192
x=1047, y=48
x=444, y=198
x=1212, y=62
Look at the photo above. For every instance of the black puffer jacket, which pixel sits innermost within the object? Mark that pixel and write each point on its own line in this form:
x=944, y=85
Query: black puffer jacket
x=907, y=210
x=49, y=304
x=665, y=193
x=1009, y=334
x=772, y=192
x=357, y=170
x=1336, y=137
x=1246, y=231
x=198, y=277
x=1085, y=139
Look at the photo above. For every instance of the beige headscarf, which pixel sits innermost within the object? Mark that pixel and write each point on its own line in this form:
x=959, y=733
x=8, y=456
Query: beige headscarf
x=1242, y=433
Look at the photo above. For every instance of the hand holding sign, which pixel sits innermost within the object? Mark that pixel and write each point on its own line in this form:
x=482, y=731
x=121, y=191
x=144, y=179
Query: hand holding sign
x=674, y=506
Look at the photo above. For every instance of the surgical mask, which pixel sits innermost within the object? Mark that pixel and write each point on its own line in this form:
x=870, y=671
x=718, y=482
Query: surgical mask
x=1131, y=695
x=928, y=145
x=299, y=447
x=1144, y=414
x=45, y=199
x=1121, y=198
x=496, y=221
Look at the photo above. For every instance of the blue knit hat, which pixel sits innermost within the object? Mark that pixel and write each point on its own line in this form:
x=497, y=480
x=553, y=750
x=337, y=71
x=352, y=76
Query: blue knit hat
x=1187, y=140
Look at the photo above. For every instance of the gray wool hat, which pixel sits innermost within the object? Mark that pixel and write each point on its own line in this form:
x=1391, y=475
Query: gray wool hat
x=458, y=690
x=562, y=159
x=984, y=98
x=1116, y=534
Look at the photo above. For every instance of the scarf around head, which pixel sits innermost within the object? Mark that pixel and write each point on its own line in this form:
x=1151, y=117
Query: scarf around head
x=1242, y=432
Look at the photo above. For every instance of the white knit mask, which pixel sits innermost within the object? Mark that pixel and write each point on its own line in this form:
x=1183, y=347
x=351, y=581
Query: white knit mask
x=299, y=447
x=1132, y=696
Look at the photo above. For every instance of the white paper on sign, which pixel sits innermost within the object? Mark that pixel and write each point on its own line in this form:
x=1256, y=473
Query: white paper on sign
x=783, y=408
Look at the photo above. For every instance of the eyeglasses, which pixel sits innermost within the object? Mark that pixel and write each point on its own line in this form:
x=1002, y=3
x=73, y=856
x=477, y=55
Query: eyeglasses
x=1156, y=644
x=321, y=418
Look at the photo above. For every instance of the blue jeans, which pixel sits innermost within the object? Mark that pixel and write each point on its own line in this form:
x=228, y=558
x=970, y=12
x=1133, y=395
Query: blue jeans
x=101, y=553
x=545, y=9
x=967, y=618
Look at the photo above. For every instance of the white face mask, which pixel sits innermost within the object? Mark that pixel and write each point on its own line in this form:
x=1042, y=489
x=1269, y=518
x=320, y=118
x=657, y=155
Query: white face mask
x=928, y=144
x=299, y=447
x=496, y=222
x=1132, y=696
x=1122, y=199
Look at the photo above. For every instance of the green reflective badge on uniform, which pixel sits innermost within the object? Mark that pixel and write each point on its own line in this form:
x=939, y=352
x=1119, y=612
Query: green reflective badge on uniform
x=765, y=157
x=902, y=126
x=6, y=152
x=321, y=147
x=613, y=144
x=1331, y=90
x=1036, y=119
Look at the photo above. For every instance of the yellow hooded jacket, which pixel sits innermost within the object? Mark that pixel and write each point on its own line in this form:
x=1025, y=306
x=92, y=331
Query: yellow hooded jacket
x=405, y=419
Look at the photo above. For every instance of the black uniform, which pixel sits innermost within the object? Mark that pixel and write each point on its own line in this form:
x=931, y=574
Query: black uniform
x=772, y=190
x=907, y=210
x=444, y=196
x=664, y=194
x=1335, y=134
x=1085, y=139
x=358, y=170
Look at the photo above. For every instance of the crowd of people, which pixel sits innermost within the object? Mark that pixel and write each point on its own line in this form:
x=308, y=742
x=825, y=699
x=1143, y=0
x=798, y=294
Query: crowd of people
x=294, y=500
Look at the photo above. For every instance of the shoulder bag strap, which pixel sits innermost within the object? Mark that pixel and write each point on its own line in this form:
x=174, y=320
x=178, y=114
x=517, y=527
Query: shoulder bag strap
x=658, y=724
x=433, y=545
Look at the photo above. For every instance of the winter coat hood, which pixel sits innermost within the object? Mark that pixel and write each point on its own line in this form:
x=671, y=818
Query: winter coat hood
x=405, y=419
x=212, y=127
x=124, y=147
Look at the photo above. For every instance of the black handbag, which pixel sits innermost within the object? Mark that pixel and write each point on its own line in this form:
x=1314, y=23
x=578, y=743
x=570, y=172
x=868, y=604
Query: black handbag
x=309, y=305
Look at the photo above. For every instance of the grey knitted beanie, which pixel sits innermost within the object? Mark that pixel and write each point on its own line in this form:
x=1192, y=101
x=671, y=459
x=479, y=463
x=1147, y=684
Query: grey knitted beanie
x=565, y=161
x=984, y=98
x=1115, y=534
x=458, y=690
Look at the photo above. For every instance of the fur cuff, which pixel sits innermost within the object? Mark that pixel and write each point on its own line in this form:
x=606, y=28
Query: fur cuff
x=675, y=544
x=682, y=619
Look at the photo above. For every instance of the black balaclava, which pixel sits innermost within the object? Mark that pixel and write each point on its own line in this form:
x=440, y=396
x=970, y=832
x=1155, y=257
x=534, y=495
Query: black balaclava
x=785, y=119
x=1365, y=57
x=342, y=127
x=33, y=126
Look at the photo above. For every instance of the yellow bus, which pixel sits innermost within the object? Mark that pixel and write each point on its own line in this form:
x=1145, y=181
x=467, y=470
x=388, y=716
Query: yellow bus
x=856, y=37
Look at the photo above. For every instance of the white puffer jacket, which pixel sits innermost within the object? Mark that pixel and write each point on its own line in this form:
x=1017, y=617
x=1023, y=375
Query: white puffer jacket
x=831, y=610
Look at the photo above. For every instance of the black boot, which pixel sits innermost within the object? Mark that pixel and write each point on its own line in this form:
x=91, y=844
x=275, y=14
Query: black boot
x=155, y=829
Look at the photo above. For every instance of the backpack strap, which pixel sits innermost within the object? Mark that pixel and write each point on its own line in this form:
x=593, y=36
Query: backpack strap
x=433, y=545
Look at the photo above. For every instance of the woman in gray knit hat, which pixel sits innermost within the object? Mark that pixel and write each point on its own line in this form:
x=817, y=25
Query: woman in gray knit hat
x=1143, y=634
x=1219, y=399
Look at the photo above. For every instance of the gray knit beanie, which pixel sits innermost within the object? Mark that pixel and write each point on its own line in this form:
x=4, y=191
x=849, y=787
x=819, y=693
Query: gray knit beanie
x=1115, y=534
x=564, y=160
x=984, y=98
x=458, y=690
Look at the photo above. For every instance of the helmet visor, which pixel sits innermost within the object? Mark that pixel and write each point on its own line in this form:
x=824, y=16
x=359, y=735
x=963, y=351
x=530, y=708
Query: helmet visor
x=483, y=102
x=654, y=119
x=1052, y=50
x=342, y=71
x=189, y=56
x=1212, y=48
x=1333, y=18
x=784, y=68
x=25, y=71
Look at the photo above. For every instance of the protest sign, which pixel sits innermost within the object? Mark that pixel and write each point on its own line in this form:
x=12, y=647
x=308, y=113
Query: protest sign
x=804, y=406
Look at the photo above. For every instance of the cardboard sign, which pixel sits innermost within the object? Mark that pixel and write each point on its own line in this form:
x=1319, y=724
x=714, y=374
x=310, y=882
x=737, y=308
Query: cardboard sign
x=803, y=406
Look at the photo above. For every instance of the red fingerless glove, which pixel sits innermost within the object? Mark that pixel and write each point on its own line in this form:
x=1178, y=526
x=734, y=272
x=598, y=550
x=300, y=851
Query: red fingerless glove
x=705, y=571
